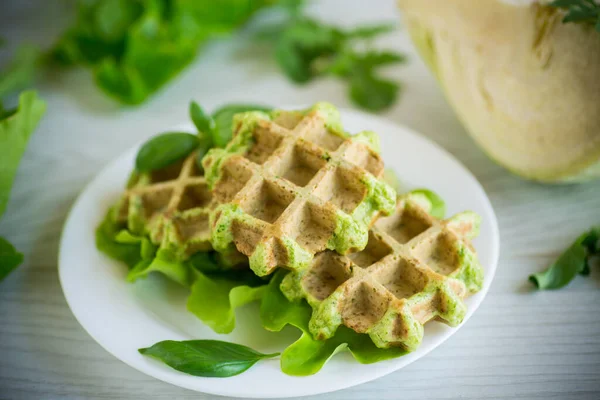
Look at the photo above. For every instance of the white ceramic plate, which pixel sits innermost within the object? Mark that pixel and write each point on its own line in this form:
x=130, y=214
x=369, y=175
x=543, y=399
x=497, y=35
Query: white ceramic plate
x=123, y=317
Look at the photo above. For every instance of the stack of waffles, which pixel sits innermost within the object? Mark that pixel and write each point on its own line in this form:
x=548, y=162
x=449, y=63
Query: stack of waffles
x=292, y=190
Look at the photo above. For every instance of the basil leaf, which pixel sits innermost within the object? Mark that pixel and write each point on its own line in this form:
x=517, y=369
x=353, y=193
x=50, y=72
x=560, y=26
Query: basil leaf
x=223, y=118
x=570, y=263
x=204, y=123
x=10, y=258
x=372, y=93
x=370, y=31
x=208, y=358
x=164, y=150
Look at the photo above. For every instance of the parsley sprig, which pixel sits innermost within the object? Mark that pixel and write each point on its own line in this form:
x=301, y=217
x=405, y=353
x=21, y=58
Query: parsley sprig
x=306, y=49
x=585, y=11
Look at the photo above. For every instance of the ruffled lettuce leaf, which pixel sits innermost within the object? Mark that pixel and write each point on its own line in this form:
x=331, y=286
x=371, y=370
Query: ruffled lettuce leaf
x=128, y=252
x=16, y=127
x=134, y=47
x=306, y=356
x=216, y=290
x=213, y=300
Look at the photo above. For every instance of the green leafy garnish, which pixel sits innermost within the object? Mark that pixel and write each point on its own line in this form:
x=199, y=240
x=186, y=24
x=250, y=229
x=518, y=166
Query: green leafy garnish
x=10, y=258
x=209, y=358
x=307, y=356
x=21, y=72
x=306, y=49
x=135, y=46
x=164, y=150
x=584, y=11
x=15, y=131
x=214, y=299
x=216, y=290
x=128, y=252
x=16, y=127
x=204, y=123
x=223, y=118
x=575, y=260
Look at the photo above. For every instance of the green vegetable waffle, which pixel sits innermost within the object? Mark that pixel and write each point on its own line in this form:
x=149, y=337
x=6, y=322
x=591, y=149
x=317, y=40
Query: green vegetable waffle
x=172, y=206
x=292, y=184
x=415, y=268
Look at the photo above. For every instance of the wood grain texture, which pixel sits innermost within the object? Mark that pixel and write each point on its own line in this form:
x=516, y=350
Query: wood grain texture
x=519, y=345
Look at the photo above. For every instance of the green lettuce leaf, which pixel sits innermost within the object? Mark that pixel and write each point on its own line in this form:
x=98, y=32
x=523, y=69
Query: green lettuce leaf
x=134, y=47
x=21, y=71
x=307, y=356
x=216, y=290
x=126, y=252
x=214, y=299
x=15, y=129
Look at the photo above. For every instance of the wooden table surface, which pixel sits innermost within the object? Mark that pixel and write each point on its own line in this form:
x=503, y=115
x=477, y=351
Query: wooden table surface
x=519, y=344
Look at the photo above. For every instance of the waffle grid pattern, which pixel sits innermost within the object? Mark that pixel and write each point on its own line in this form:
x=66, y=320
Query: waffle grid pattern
x=172, y=206
x=291, y=186
x=415, y=268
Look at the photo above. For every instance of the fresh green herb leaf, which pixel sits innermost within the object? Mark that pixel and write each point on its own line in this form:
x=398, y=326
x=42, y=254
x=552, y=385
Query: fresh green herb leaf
x=204, y=123
x=570, y=263
x=306, y=49
x=15, y=130
x=372, y=93
x=164, y=150
x=223, y=118
x=438, y=205
x=21, y=71
x=301, y=44
x=307, y=356
x=135, y=46
x=209, y=358
x=10, y=258
x=214, y=299
x=584, y=11
x=370, y=31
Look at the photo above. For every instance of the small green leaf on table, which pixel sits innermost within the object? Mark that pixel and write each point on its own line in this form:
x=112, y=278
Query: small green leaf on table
x=208, y=358
x=575, y=260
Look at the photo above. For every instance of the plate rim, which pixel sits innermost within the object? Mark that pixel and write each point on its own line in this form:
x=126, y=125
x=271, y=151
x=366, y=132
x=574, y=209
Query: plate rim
x=335, y=385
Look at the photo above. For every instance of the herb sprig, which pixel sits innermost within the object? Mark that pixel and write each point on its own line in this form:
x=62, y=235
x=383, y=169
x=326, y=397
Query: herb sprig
x=575, y=260
x=210, y=358
x=306, y=49
x=585, y=11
